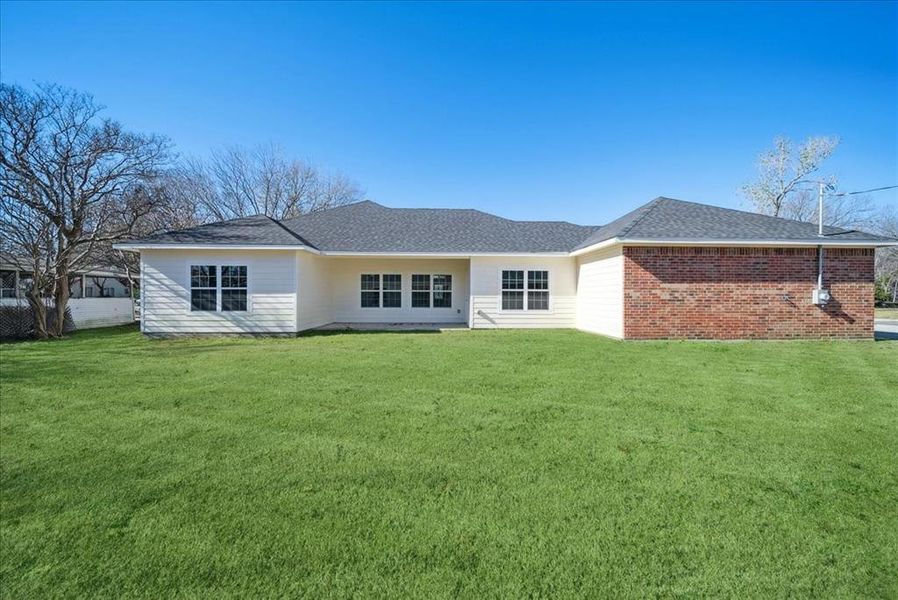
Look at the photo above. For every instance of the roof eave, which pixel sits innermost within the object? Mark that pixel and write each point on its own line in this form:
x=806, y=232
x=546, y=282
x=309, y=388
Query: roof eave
x=139, y=246
x=806, y=243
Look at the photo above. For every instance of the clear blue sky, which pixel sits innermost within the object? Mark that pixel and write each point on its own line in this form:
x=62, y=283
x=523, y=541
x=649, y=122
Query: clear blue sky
x=556, y=111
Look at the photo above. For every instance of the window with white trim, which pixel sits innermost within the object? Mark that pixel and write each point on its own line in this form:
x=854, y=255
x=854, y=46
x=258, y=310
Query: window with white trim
x=7, y=284
x=381, y=290
x=233, y=288
x=525, y=290
x=203, y=287
x=431, y=290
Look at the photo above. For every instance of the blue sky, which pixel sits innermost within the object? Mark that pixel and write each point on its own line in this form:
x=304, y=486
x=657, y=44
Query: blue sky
x=534, y=111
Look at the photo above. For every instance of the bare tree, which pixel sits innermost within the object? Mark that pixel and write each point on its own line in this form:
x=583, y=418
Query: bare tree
x=169, y=201
x=64, y=175
x=24, y=235
x=886, y=223
x=783, y=190
x=236, y=182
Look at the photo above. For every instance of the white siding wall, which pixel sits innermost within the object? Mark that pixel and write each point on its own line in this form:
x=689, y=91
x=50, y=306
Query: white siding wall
x=487, y=303
x=271, y=299
x=600, y=292
x=314, y=300
x=345, y=274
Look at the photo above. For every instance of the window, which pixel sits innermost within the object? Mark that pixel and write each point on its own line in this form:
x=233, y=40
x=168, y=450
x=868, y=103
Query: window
x=381, y=290
x=519, y=293
x=420, y=291
x=512, y=290
x=203, y=287
x=26, y=282
x=233, y=288
x=7, y=284
x=442, y=291
x=537, y=290
x=431, y=290
x=392, y=291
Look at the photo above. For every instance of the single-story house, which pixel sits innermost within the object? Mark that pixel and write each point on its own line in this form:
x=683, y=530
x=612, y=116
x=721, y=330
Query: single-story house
x=99, y=294
x=669, y=269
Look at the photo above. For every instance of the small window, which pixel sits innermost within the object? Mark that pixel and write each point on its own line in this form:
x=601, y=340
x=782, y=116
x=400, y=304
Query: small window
x=203, y=287
x=519, y=293
x=381, y=291
x=7, y=284
x=233, y=288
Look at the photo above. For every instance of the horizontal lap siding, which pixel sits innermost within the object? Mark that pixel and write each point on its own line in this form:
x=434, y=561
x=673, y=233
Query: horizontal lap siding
x=315, y=303
x=746, y=293
x=486, y=295
x=166, y=294
x=600, y=292
x=345, y=277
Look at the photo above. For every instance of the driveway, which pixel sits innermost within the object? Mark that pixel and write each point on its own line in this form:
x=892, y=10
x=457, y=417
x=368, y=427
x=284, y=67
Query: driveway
x=886, y=329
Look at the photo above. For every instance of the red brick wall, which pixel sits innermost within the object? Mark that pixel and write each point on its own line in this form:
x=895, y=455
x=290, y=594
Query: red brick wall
x=738, y=293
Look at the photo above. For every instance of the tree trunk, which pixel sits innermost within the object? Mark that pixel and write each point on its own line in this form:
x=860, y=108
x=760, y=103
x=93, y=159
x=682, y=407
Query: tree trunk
x=39, y=311
x=61, y=293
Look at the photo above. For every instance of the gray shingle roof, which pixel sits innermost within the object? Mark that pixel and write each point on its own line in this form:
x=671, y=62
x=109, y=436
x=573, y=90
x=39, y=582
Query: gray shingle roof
x=677, y=220
x=370, y=227
x=257, y=230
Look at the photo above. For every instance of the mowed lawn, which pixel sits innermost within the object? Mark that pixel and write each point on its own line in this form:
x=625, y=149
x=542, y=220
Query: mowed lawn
x=460, y=464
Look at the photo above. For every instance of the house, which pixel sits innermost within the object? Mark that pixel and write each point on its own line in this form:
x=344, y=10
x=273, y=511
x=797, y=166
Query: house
x=99, y=294
x=669, y=269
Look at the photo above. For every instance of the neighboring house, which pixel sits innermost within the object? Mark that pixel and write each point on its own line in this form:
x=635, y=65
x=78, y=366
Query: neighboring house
x=98, y=295
x=669, y=269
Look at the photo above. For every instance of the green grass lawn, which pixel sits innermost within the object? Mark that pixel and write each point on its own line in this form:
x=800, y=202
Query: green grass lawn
x=472, y=464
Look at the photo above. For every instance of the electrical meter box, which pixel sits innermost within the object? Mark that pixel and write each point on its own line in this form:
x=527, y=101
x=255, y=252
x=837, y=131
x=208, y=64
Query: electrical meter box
x=820, y=297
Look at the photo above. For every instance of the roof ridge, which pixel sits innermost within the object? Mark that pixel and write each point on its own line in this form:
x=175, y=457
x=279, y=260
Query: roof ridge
x=648, y=209
x=291, y=232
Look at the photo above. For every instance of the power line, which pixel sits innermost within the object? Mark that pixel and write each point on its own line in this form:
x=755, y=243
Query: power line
x=879, y=189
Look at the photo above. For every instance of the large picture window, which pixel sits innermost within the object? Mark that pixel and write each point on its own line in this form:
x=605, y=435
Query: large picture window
x=381, y=290
x=431, y=290
x=233, y=288
x=525, y=290
x=203, y=287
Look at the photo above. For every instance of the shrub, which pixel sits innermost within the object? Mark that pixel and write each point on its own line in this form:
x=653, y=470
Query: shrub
x=17, y=321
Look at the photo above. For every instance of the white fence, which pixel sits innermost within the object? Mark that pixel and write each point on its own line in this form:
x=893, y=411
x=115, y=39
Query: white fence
x=95, y=312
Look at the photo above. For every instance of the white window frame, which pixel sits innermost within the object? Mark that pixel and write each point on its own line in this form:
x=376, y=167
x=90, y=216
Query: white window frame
x=526, y=290
x=218, y=288
x=380, y=291
x=15, y=285
x=222, y=288
x=430, y=291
